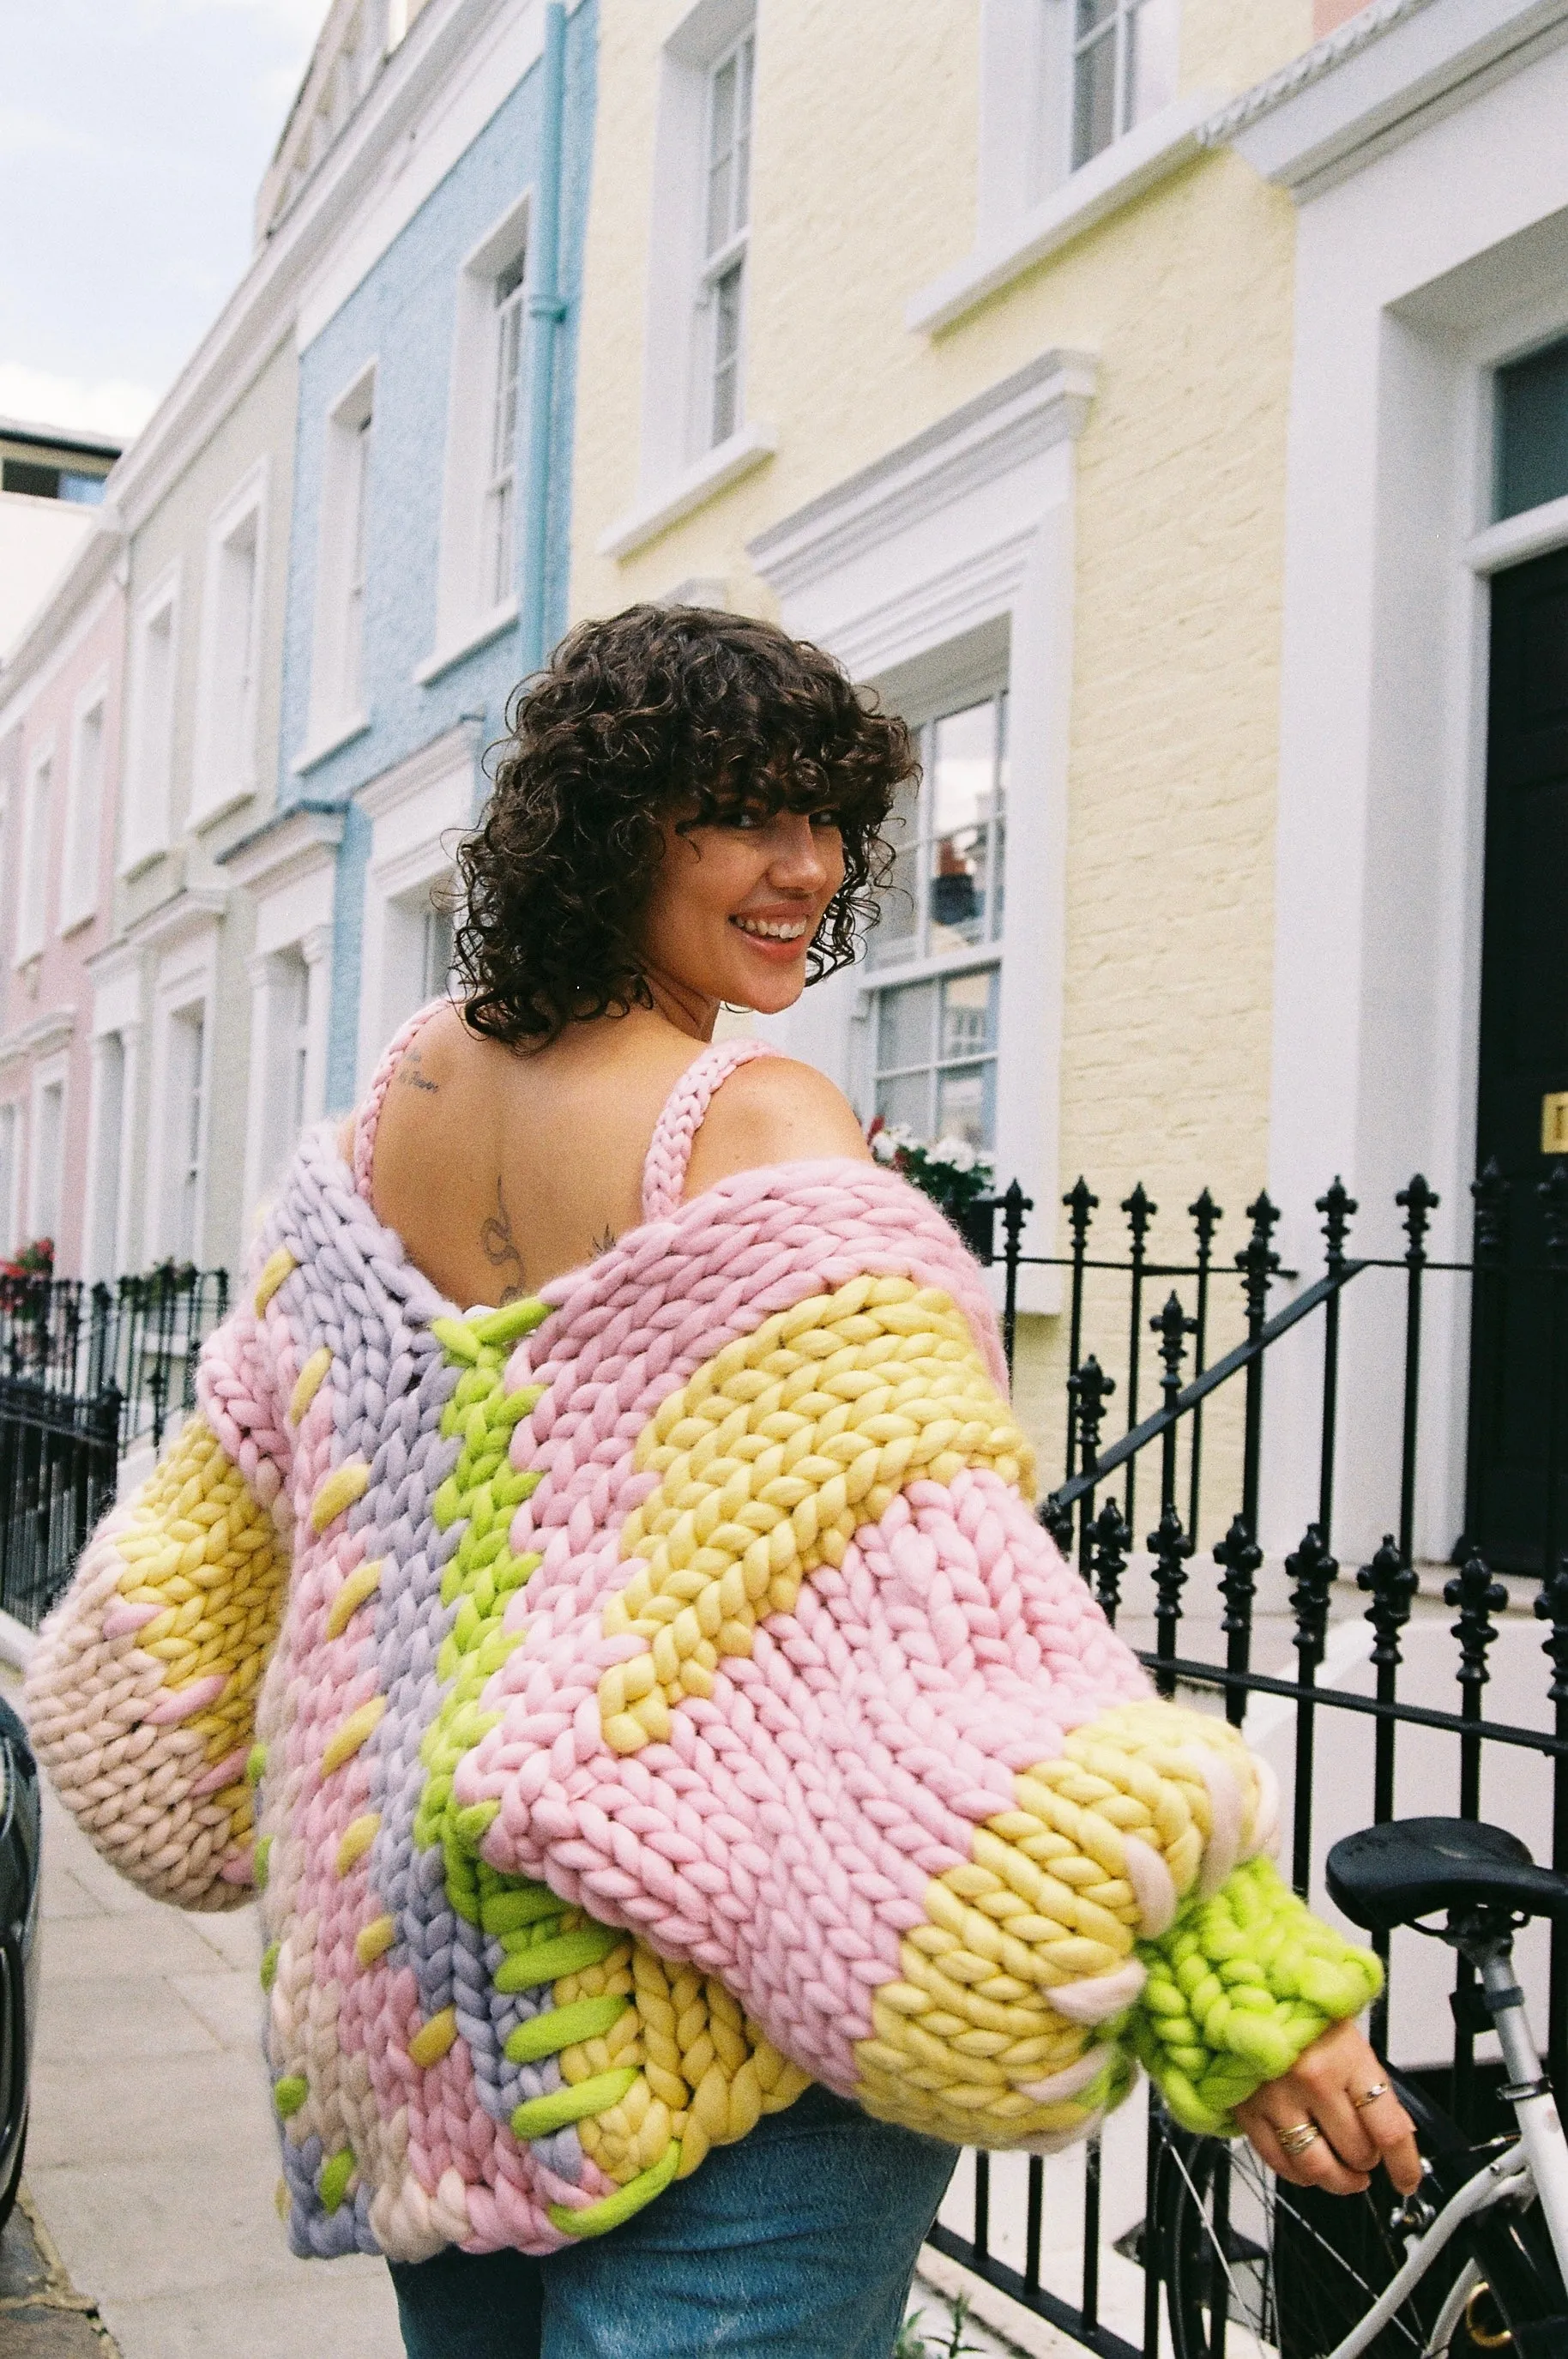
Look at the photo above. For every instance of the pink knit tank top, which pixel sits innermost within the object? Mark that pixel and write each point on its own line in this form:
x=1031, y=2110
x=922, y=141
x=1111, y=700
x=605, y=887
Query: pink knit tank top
x=670, y=1150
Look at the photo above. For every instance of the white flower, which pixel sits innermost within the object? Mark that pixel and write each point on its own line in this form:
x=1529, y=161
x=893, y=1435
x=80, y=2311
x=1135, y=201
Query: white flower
x=884, y=1147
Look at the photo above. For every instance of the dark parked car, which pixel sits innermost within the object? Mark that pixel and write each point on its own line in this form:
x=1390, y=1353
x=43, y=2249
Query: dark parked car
x=19, y=1877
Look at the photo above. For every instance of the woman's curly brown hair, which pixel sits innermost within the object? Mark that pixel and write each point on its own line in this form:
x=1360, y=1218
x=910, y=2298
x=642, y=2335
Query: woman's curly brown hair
x=656, y=711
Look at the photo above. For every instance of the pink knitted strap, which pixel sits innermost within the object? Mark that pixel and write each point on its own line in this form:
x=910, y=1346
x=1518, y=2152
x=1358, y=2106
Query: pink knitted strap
x=369, y=1114
x=669, y=1151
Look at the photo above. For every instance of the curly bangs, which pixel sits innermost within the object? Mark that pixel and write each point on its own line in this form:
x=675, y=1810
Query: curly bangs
x=658, y=711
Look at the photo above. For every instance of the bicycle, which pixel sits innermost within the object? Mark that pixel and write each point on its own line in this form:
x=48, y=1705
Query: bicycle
x=1476, y=2260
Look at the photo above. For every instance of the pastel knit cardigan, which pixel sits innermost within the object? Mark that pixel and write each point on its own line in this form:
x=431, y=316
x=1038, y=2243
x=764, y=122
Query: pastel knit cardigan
x=643, y=1699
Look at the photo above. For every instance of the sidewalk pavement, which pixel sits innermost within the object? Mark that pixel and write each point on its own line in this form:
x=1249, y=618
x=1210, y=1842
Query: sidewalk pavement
x=151, y=2156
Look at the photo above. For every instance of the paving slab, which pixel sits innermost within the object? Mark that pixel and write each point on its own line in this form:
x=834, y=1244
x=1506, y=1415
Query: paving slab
x=151, y=2157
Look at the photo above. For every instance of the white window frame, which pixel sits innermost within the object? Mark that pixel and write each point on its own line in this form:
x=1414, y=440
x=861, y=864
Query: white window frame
x=728, y=260
x=82, y=852
x=186, y=986
x=418, y=813
x=50, y=1077
x=935, y=573
x=108, y=1153
x=467, y=610
x=339, y=707
x=678, y=339
x=925, y=965
x=227, y=755
x=33, y=868
x=12, y=1129
x=149, y=769
x=1127, y=24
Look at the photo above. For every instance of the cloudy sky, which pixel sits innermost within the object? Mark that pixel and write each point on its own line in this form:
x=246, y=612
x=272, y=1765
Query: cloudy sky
x=132, y=134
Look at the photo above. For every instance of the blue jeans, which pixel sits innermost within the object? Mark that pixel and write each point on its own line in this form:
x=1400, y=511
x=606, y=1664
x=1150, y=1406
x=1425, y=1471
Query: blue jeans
x=798, y=2243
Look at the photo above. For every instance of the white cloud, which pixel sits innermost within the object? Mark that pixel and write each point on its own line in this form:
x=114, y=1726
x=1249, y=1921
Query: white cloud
x=22, y=133
x=111, y=406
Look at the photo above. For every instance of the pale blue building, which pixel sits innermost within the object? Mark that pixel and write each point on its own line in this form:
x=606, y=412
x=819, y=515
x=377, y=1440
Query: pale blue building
x=429, y=534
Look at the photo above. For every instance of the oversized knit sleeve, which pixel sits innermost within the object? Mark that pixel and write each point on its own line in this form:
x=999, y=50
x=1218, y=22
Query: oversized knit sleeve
x=142, y=1690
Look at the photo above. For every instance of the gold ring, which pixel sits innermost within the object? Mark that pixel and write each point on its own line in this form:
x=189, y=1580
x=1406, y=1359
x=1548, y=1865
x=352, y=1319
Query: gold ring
x=1370, y=2096
x=1299, y=2136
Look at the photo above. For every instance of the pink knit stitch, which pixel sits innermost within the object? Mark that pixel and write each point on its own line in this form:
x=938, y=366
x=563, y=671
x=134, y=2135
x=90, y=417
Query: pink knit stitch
x=367, y=1120
x=670, y=1150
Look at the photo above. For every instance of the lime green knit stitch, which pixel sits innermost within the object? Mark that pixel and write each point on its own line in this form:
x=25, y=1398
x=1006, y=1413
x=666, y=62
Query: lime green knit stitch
x=483, y=1492
x=1238, y=1988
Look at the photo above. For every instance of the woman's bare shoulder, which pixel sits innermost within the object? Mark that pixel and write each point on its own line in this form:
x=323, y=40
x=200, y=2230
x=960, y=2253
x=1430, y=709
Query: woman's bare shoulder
x=773, y=1110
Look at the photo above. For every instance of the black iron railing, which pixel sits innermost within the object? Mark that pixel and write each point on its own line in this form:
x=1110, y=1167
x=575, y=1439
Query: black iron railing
x=1093, y=1513
x=58, y=1459
x=142, y=1335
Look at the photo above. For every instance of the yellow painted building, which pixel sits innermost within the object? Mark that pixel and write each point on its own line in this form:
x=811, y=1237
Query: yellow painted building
x=940, y=334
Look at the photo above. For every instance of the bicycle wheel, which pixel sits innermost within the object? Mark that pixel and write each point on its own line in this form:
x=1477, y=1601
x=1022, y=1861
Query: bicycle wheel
x=1302, y=2268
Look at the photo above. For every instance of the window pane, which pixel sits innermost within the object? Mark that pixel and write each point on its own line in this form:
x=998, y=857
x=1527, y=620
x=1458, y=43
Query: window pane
x=905, y=1024
x=906, y=1103
x=87, y=490
x=893, y=938
x=1094, y=83
x=969, y=1015
x=720, y=156
x=1533, y=431
x=726, y=355
x=964, y=1104
x=962, y=789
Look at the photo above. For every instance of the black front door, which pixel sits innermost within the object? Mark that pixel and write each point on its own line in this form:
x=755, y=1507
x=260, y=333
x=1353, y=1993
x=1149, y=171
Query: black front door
x=1524, y=1060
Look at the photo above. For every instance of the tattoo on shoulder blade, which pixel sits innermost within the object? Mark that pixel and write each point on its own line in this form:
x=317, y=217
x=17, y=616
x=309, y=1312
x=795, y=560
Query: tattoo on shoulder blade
x=603, y=1242
x=498, y=1244
x=410, y=1076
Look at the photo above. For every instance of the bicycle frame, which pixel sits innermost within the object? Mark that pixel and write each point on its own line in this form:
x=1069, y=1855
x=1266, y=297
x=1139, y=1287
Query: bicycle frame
x=1536, y=2169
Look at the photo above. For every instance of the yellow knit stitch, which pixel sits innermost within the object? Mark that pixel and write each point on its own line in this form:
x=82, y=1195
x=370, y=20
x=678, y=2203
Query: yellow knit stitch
x=198, y=1544
x=770, y=1458
x=432, y=2039
x=345, y=1741
x=362, y=1583
x=706, y=2073
x=357, y=1838
x=373, y=1941
x=277, y=1267
x=339, y=1490
x=1045, y=1898
x=308, y=1383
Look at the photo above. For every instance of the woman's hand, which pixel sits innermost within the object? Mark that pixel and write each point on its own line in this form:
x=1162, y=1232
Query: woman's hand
x=1330, y=2076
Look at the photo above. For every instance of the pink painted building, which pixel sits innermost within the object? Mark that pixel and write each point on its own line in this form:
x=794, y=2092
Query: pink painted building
x=60, y=1091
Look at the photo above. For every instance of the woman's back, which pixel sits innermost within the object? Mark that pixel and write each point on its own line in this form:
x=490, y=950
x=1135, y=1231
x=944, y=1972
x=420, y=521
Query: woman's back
x=500, y=1169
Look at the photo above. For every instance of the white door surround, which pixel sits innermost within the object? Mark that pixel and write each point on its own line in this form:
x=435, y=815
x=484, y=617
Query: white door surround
x=417, y=812
x=1422, y=262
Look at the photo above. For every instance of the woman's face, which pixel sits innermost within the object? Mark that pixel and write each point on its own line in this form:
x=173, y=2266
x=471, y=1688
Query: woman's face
x=735, y=907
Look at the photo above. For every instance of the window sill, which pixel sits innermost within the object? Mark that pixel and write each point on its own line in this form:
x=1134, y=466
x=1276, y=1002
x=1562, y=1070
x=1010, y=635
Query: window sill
x=500, y=618
x=344, y=735
x=208, y=814
x=713, y=473
x=144, y=858
x=1097, y=188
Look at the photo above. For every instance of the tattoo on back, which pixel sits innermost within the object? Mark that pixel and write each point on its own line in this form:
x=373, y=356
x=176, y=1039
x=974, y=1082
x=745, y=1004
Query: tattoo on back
x=410, y=1076
x=603, y=1242
x=497, y=1243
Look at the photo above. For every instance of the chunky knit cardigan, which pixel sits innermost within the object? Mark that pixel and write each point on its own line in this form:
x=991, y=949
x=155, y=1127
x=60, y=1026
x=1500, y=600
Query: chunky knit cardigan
x=637, y=1702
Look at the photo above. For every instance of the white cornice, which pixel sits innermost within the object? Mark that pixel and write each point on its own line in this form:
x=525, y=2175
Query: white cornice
x=86, y=572
x=290, y=846
x=196, y=909
x=421, y=769
x=1045, y=402
x=45, y=1033
x=261, y=310
x=1375, y=81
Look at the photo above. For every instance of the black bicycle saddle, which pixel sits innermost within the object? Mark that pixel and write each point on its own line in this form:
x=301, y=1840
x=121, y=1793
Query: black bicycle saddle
x=1391, y=1875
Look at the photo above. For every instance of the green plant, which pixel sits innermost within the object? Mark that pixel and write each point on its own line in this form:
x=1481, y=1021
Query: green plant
x=912, y=2344
x=952, y=1172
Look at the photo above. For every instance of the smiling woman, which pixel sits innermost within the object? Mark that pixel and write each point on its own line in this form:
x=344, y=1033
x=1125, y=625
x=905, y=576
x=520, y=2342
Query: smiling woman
x=691, y=1796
